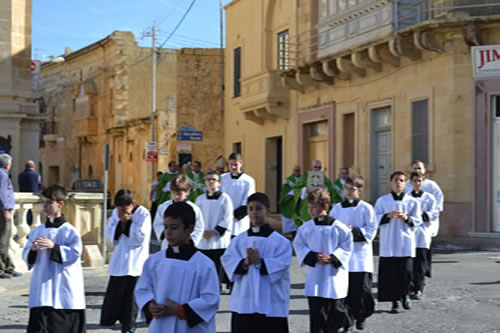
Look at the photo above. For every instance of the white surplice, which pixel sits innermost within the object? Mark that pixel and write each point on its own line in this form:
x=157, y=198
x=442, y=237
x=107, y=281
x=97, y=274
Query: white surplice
x=253, y=291
x=217, y=211
x=130, y=251
x=361, y=216
x=53, y=284
x=239, y=188
x=431, y=187
x=158, y=225
x=397, y=238
x=325, y=281
x=427, y=230
x=192, y=281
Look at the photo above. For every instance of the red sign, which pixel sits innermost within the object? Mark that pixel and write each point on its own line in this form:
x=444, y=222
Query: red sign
x=151, y=151
x=33, y=66
x=486, y=60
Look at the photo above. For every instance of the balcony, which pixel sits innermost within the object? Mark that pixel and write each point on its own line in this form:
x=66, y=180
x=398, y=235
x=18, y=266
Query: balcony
x=263, y=97
x=85, y=127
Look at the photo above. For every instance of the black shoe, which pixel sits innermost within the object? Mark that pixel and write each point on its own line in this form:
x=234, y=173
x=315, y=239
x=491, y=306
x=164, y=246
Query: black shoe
x=360, y=324
x=395, y=307
x=347, y=329
x=5, y=276
x=406, y=303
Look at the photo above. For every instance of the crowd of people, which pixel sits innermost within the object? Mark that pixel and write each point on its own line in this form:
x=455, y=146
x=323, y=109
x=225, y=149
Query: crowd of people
x=215, y=237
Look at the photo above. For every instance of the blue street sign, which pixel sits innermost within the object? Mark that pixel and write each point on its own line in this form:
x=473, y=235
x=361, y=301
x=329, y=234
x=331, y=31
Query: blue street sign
x=190, y=136
x=187, y=128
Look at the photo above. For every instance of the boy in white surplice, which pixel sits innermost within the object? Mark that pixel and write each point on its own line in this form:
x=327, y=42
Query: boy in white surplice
x=178, y=290
x=324, y=244
x=258, y=262
x=53, y=250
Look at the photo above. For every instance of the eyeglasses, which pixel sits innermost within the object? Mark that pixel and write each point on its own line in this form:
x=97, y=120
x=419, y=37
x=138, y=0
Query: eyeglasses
x=316, y=167
x=351, y=189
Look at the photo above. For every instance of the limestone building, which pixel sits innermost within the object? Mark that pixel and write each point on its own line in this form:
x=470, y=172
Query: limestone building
x=101, y=94
x=19, y=114
x=375, y=84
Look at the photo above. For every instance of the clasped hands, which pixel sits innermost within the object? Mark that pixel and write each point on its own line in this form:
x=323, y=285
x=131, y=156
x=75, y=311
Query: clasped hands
x=42, y=243
x=397, y=214
x=163, y=310
x=253, y=257
x=209, y=234
x=324, y=259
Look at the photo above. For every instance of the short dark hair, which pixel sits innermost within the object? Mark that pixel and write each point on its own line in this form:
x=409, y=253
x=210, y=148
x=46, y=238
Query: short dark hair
x=416, y=174
x=259, y=197
x=356, y=181
x=418, y=161
x=235, y=156
x=159, y=173
x=345, y=169
x=180, y=183
x=171, y=163
x=55, y=192
x=320, y=196
x=197, y=162
x=124, y=197
x=183, y=211
x=397, y=173
x=213, y=173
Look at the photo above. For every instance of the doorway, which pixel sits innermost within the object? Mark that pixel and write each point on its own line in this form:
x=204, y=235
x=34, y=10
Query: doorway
x=381, y=152
x=274, y=170
x=53, y=175
x=317, y=144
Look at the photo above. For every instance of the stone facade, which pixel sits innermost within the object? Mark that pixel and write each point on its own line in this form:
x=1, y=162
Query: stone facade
x=19, y=116
x=101, y=95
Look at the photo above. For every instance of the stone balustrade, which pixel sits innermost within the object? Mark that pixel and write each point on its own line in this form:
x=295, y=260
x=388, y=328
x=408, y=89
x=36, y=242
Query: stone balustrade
x=83, y=210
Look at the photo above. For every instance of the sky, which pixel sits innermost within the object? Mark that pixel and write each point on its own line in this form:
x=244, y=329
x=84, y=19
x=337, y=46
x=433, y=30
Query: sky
x=57, y=24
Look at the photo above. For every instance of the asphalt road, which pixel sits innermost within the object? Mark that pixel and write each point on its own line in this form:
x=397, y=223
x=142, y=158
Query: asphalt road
x=462, y=296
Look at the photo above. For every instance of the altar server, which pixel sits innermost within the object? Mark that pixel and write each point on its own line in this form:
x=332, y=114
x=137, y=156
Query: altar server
x=399, y=215
x=53, y=250
x=258, y=263
x=359, y=217
x=217, y=211
x=423, y=234
x=180, y=187
x=178, y=290
x=129, y=229
x=324, y=244
x=239, y=186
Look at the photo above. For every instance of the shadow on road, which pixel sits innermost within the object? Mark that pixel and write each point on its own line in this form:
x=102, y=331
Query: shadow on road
x=298, y=286
x=299, y=312
x=13, y=327
x=445, y=262
x=485, y=283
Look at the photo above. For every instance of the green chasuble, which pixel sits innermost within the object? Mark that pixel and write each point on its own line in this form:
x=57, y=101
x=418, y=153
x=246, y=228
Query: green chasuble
x=197, y=185
x=338, y=194
x=287, y=200
x=301, y=214
x=165, y=179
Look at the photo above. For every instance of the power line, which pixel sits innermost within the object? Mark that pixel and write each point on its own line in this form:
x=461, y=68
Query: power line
x=179, y=24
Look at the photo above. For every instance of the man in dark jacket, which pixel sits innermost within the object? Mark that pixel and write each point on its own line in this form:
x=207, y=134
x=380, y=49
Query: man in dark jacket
x=29, y=180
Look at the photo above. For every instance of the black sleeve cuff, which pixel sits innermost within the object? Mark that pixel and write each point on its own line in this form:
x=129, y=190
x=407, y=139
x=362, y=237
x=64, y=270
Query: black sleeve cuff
x=263, y=268
x=409, y=221
x=220, y=230
x=385, y=219
x=311, y=259
x=118, y=231
x=241, y=269
x=126, y=228
x=192, y=317
x=162, y=236
x=240, y=212
x=32, y=257
x=147, y=314
x=55, y=254
x=425, y=217
x=357, y=235
x=335, y=261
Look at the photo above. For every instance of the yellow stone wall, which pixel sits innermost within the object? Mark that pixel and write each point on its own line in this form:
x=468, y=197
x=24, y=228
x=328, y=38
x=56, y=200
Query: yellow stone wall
x=253, y=26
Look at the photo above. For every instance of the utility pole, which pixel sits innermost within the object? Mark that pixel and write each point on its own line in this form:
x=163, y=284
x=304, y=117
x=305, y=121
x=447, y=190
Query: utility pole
x=153, y=95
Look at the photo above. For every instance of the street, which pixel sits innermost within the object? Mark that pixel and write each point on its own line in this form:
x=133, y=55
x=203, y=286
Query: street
x=463, y=296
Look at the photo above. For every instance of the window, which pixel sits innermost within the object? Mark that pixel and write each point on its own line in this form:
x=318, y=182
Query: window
x=283, y=50
x=237, y=147
x=323, y=8
x=237, y=72
x=420, y=130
